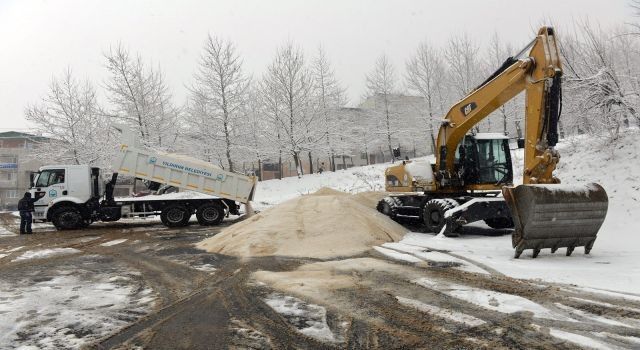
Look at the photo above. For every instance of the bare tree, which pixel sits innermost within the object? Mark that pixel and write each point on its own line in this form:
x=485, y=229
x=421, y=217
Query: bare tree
x=221, y=85
x=603, y=98
x=497, y=53
x=140, y=98
x=329, y=96
x=381, y=84
x=289, y=84
x=462, y=57
x=425, y=74
x=70, y=116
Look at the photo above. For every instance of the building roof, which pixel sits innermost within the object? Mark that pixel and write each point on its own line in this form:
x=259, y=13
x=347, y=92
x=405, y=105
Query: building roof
x=20, y=135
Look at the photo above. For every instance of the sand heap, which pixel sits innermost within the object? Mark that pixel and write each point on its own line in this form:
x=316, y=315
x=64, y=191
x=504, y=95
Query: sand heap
x=326, y=224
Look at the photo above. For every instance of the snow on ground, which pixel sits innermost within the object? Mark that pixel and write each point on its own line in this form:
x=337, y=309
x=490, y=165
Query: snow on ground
x=114, y=242
x=5, y=232
x=578, y=339
x=309, y=319
x=352, y=180
x=397, y=255
x=447, y=314
x=488, y=299
x=69, y=308
x=45, y=253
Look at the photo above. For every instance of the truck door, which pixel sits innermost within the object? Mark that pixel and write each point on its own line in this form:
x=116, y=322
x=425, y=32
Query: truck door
x=51, y=182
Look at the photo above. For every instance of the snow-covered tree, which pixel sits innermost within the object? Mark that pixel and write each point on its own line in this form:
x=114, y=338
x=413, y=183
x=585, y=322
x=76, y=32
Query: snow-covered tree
x=602, y=97
x=381, y=84
x=140, y=98
x=70, y=117
x=425, y=76
x=220, y=89
x=329, y=97
x=287, y=86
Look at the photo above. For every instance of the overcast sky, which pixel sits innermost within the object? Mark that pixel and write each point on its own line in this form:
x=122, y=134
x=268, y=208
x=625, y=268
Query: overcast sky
x=39, y=39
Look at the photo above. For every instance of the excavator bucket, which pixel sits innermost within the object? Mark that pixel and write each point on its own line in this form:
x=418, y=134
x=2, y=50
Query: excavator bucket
x=556, y=216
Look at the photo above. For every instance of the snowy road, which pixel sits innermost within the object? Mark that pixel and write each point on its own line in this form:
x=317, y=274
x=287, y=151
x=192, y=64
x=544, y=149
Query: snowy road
x=141, y=284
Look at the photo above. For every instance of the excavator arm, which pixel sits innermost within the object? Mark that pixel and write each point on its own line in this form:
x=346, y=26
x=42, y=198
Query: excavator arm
x=538, y=74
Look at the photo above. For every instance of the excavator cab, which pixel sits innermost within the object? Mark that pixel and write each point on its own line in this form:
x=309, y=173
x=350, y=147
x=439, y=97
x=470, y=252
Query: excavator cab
x=484, y=159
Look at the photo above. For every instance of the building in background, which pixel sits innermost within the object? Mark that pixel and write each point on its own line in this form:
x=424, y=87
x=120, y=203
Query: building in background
x=16, y=166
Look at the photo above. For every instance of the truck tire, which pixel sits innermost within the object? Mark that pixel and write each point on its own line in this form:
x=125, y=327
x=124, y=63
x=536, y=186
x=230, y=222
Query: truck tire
x=210, y=214
x=175, y=216
x=433, y=216
x=499, y=223
x=67, y=218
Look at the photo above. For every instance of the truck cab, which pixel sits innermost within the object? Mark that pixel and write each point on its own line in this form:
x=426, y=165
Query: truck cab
x=64, y=186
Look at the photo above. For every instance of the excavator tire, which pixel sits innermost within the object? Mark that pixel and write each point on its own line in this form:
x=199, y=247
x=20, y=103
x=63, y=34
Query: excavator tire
x=434, y=216
x=556, y=216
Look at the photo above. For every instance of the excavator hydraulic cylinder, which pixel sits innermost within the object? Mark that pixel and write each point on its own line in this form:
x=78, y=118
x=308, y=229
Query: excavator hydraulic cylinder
x=556, y=216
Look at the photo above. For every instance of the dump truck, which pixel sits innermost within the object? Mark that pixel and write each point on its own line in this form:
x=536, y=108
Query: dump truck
x=472, y=177
x=74, y=196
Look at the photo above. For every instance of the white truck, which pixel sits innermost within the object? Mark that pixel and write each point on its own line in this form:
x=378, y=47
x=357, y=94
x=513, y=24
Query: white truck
x=74, y=196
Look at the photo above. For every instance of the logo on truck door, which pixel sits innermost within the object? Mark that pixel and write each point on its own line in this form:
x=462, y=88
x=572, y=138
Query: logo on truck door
x=466, y=109
x=153, y=160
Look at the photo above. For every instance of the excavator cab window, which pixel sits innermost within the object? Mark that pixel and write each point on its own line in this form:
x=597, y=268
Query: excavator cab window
x=494, y=161
x=484, y=161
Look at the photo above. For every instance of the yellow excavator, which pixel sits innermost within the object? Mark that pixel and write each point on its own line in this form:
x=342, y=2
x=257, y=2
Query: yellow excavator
x=472, y=178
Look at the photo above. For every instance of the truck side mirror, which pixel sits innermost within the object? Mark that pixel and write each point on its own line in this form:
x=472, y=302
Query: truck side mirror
x=32, y=176
x=520, y=143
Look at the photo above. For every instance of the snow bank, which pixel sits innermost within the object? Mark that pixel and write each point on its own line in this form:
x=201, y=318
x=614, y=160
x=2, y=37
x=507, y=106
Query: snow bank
x=353, y=180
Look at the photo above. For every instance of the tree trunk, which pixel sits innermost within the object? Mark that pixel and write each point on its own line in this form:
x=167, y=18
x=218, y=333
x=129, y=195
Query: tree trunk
x=280, y=166
x=518, y=129
x=310, y=163
x=259, y=169
x=344, y=162
x=296, y=161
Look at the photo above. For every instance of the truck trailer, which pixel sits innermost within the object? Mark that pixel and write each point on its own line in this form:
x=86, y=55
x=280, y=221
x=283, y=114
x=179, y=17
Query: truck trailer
x=74, y=196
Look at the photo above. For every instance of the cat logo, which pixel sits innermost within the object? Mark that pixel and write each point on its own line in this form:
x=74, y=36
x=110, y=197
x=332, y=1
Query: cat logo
x=466, y=109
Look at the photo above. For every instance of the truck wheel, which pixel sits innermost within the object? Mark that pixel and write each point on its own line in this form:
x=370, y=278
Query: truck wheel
x=433, y=216
x=175, y=216
x=210, y=214
x=67, y=218
x=499, y=223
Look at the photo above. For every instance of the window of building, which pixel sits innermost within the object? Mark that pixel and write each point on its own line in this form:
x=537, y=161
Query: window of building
x=12, y=193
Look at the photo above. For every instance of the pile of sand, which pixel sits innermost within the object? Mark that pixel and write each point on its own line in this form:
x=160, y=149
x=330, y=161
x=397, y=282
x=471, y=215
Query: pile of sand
x=326, y=224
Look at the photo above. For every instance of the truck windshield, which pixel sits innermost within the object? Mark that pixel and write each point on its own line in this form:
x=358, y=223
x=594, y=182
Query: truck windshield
x=50, y=177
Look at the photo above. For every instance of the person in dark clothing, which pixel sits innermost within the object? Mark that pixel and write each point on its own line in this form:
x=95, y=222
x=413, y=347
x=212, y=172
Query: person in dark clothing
x=25, y=206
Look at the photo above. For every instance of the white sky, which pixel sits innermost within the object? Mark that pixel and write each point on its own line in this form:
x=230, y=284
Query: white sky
x=40, y=38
